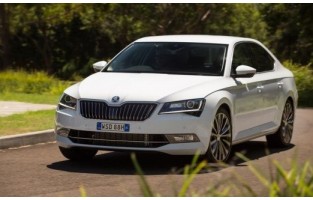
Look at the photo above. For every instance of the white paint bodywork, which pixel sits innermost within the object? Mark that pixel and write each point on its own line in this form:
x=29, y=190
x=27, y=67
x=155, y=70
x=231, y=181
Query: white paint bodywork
x=256, y=104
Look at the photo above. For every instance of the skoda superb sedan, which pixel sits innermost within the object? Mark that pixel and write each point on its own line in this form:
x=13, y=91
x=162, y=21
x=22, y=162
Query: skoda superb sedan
x=179, y=94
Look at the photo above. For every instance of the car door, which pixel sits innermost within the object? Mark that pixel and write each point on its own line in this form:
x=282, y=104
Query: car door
x=247, y=95
x=269, y=84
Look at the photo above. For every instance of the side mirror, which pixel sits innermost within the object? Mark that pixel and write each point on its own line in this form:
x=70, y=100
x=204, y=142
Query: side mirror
x=244, y=71
x=98, y=66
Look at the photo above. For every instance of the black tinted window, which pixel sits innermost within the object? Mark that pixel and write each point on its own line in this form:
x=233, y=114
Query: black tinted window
x=171, y=57
x=241, y=56
x=262, y=61
x=252, y=55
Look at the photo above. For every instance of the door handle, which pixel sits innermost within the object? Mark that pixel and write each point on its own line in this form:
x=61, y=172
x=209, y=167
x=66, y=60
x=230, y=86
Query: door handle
x=280, y=84
x=260, y=88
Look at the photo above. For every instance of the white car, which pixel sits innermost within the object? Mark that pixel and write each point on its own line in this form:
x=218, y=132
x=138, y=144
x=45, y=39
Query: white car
x=179, y=94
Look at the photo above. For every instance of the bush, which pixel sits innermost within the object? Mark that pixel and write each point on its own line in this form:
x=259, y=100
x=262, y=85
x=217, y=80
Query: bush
x=304, y=81
x=31, y=83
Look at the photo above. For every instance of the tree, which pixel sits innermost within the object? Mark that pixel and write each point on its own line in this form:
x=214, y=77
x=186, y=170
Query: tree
x=290, y=28
x=64, y=39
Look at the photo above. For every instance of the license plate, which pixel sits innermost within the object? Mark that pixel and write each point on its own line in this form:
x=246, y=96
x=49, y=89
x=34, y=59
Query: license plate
x=113, y=127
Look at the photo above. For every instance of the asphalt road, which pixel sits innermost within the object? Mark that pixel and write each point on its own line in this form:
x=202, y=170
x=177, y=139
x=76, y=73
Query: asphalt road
x=40, y=170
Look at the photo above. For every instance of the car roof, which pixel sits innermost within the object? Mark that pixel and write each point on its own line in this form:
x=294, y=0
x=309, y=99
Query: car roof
x=212, y=39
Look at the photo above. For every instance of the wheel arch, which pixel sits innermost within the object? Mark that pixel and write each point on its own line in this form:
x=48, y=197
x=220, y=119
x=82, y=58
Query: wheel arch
x=226, y=107
x=293, y=100
x=291, y=92
x=221, y=99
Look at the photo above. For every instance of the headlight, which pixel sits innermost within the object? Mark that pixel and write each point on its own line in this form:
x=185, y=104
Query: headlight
x=186, y=106
x=67, y=102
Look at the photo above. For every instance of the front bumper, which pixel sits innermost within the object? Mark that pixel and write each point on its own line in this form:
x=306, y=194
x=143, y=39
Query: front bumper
x=165, y=124
x=173, y=149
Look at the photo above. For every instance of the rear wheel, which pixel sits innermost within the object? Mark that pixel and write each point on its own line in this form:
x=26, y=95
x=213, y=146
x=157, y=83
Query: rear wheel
x=78, y=154
x=283, y=136
x=221, y=137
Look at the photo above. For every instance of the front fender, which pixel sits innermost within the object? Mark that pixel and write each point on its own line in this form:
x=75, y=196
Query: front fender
x=213, y=102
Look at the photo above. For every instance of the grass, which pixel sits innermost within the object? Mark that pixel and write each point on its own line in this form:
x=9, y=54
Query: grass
x=31, y=98
x=31, y=83
x=27, y=122
x=34, y=87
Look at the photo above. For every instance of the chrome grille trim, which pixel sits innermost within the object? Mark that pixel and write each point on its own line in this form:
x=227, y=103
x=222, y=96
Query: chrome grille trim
x=125, y=112
x=118, y=139
x=134, y=141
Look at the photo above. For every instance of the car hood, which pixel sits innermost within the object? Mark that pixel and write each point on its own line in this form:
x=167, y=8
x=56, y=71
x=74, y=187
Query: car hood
x=132, y=87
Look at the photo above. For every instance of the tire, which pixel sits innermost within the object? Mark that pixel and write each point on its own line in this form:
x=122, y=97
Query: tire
x=220, y=143
x=283, y=136
x=78, y=154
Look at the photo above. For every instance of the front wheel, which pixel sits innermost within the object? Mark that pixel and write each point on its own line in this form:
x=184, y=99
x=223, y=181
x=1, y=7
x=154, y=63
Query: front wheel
x=78, y=154
x=283, y=136
x=221, y=137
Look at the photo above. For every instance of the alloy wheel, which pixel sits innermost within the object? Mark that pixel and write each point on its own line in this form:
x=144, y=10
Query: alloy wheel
x=287, y=123
x=220, y=142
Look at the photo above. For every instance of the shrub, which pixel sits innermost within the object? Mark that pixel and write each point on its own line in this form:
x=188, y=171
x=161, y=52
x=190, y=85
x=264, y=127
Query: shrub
x=25, y=82
x=304, y=81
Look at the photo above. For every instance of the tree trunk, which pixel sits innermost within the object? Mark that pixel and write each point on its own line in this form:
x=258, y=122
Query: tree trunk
x=4, y=34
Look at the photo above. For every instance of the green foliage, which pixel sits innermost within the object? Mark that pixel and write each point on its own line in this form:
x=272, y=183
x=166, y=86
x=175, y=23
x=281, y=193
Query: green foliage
x=190, y=172
x=243, y=20
x=31, y=83
x=82, y=191
x=294, y=182
x=30, y=97
x=290, y=31
x=147, y=192
x=64, y=39
x=304, y=81
x=27, y=122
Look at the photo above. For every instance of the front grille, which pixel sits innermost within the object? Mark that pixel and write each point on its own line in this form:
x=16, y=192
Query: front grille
x=126, y=112
x=118, y=139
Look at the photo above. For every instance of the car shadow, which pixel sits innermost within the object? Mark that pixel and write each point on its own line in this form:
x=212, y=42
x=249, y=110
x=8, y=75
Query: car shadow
x=120, y=163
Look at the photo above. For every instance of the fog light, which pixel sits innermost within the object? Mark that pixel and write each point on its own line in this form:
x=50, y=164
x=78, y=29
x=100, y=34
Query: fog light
x=182, y=138
x=62, y=131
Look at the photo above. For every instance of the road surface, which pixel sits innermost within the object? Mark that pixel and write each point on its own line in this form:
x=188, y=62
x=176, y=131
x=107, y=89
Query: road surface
x=40, y=170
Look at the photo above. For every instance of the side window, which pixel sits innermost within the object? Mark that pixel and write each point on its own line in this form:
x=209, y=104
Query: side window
x=241, y=56
x=262, y=61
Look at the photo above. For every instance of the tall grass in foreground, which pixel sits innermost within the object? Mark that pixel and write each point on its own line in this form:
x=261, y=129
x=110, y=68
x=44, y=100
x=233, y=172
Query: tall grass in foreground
x=295, y=182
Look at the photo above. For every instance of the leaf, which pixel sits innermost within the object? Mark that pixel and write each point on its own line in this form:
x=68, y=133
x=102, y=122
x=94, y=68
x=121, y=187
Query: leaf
x=190, y=178
x=143, y=183
x=82, y=191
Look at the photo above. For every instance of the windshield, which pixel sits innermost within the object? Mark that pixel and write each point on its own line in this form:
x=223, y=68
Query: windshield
x=171, y=57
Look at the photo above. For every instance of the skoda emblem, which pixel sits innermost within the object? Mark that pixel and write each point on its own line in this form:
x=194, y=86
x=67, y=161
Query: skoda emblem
x=115, y=99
